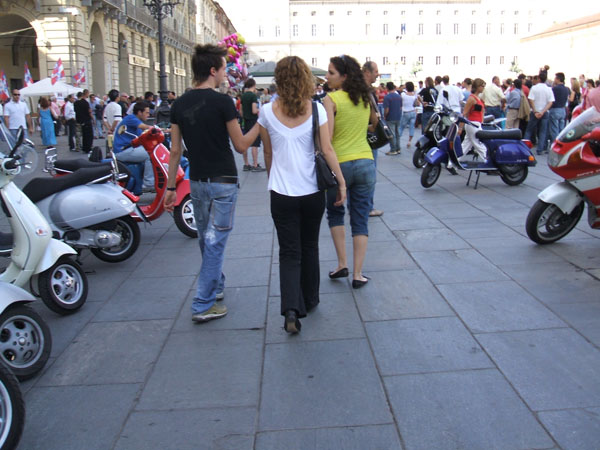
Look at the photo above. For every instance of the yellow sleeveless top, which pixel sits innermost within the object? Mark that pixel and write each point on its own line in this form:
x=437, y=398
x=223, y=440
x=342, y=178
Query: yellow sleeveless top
x=350, y=131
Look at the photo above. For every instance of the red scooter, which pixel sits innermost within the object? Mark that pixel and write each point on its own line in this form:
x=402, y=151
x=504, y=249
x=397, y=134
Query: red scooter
x=152, y=141
x=575, y=156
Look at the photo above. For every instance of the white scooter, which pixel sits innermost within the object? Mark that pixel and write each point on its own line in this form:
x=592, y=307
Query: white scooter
x=25, y=339
x=35, y=254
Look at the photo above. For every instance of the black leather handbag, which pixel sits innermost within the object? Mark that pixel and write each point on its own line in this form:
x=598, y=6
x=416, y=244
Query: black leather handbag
x=325, y=177
x=382, y=134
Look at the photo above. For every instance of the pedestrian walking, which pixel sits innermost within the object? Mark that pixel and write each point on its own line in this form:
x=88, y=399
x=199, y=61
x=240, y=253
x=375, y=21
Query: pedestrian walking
x=205, y=120
x=297, y=204
x=410, y=101
x=83, y=115
x=349, y=114
x=47, y=123
x=71, y=123
x=17, y=114
x=392, y=112
x=250, y=106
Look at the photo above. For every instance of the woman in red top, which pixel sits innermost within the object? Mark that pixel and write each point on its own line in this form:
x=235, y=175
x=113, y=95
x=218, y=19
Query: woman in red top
x=474, y=111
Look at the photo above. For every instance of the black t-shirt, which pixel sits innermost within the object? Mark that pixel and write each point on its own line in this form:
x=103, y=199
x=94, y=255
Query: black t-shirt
x=429, y=95
x=561, y=95
x=82, y=111
x=202, y=115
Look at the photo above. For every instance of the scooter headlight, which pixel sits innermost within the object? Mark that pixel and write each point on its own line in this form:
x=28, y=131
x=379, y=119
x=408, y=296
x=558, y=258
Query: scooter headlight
x=437, y=108
x=453, y=116
x=554, y=159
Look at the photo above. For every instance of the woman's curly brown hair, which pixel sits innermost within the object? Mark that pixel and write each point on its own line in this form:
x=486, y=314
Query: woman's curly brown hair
x=354, y=84
x=295, y=85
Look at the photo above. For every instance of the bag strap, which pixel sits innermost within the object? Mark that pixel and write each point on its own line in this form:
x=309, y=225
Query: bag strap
x=315, y=128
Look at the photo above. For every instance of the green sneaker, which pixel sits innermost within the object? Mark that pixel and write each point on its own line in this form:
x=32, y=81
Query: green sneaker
x=214, y=312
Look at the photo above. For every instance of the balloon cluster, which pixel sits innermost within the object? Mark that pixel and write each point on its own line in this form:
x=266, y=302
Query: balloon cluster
x=235, y=45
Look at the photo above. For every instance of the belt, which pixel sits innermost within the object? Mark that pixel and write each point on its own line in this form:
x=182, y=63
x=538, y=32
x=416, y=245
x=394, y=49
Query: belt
x=227, y=180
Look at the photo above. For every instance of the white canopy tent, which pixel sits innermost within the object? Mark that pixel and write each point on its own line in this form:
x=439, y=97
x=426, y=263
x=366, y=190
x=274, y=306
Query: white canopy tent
x=45, y=87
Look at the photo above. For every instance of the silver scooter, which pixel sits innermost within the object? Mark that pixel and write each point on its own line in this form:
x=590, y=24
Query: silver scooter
x=88, y=209
x=35, y=255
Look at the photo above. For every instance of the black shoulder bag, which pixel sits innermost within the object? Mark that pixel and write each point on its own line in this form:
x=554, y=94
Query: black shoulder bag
x=382, y=134
x=325, y=177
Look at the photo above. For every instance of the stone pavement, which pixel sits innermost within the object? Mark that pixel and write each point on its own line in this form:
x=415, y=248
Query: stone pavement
x=469, y=336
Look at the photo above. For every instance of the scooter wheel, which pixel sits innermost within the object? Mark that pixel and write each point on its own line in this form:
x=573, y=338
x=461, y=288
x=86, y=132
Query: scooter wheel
x=513, y=174
x=130, y=234
x=546, y=223
x=184, y=217
x=25, y=341
x=64, y=286
x=12, y=409
x=430, y=174
x=419, y=157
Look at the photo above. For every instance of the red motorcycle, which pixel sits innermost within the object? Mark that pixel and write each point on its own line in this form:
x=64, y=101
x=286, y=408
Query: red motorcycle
x=152, y=141
x=575, y=156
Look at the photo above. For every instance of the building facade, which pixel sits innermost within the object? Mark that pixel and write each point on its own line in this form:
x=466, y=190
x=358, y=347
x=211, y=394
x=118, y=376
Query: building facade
x=408, y=39
x=115, y=41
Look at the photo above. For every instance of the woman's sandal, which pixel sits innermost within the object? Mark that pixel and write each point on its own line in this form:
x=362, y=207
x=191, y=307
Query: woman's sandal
x=342, y=273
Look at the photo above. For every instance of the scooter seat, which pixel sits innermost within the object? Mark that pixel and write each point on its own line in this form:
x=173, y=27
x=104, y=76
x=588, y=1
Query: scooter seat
x=512, y=134
x=40, y=188
x=72, y=165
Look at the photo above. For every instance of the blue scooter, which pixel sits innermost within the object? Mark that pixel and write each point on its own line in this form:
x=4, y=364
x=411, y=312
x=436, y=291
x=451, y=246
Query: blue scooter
x=507, y=154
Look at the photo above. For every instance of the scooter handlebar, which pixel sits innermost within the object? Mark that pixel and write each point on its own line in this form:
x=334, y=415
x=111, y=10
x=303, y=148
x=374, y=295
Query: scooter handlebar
x=11, y=164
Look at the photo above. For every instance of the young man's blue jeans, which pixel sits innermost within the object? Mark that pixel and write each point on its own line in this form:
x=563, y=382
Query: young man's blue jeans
x=138, y=155
x=542, y=127
x=394, y=126
x=214, y=208
x=557, y=122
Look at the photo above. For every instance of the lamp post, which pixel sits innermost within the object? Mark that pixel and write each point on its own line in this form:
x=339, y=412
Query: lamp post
x=159, y=9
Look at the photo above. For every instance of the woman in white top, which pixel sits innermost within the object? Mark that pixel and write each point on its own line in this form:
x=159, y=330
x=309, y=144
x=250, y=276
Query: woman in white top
x=297, y=205
x=410, y=101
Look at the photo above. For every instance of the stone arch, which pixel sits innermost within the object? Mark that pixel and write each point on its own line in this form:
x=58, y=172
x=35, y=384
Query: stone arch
x=151, y=71
x=123, y=60
x=18, y=45
x=98, y=60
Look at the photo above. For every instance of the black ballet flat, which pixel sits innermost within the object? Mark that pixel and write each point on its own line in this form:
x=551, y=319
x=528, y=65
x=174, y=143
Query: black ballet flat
x=342, y=273
x=291, y=323
x=357, y=284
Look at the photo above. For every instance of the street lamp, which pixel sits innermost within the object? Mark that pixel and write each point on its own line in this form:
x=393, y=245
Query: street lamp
x=159, y=9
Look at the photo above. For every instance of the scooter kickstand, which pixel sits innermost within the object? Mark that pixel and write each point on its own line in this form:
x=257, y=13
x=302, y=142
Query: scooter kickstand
x=477, y=179
x=469, y=179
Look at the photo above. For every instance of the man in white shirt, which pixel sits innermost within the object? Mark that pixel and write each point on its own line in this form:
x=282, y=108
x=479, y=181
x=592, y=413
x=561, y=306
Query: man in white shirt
x=450, y=95
x=541, y=98
x=494, y=98
x=71, y=123
x=112, y=116
x=16, y=114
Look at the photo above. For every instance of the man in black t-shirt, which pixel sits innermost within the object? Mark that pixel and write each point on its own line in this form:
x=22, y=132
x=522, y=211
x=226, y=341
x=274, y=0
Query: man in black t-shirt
x=250, y=115
x=205, y=120
x=83, y=116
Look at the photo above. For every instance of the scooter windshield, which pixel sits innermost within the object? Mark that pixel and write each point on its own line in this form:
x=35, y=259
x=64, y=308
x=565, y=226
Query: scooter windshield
x=583, y=124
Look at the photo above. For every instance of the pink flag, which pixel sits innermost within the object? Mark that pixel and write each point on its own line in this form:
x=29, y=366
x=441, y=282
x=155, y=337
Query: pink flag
x=79, y=77
x=58, y=73
x=28, y=77
x=4, y=94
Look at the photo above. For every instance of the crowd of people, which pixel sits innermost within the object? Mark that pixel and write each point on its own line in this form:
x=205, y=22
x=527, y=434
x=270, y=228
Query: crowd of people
x=287, y=119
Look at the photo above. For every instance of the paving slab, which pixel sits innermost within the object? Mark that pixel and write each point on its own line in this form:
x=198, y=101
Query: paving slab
x=498, y=306
x=246, y=310
x=383, y=256
x=92, y=265
x=373, y=437
x=431, y=239
x=76, y=417
x=414, y=219
x=551, y=369
x=584, y=253
x=249, y=246
x=513, y=250
x=583, y=317
x=247, y=272
x=574, y=429
x=190, y=429
x=457, y=266
x=454, y=210
x=206, y=369
x=108, y=353
x=146, y=299
x=336, y=317
x=400, y=294
x=321, y=384
x=253, y=225
x=479, y=227
x=100, y=286
x=462, y=410
x=424, y=345
x=160, y=262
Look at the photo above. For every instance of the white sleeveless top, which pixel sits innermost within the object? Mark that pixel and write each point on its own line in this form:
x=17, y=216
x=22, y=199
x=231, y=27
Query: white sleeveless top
x=293, y=166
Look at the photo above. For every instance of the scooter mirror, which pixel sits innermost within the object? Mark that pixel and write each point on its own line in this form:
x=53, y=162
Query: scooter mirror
x=18, y=142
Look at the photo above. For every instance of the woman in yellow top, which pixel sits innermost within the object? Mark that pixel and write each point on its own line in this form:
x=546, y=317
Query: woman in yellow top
x=348, y=115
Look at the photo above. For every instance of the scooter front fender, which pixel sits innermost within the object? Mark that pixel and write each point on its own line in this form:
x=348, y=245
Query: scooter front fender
x=54, y=251
x=436, y=156
x=9, y=294
x=564, y=195
x=423, y=142
x=183, y=189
